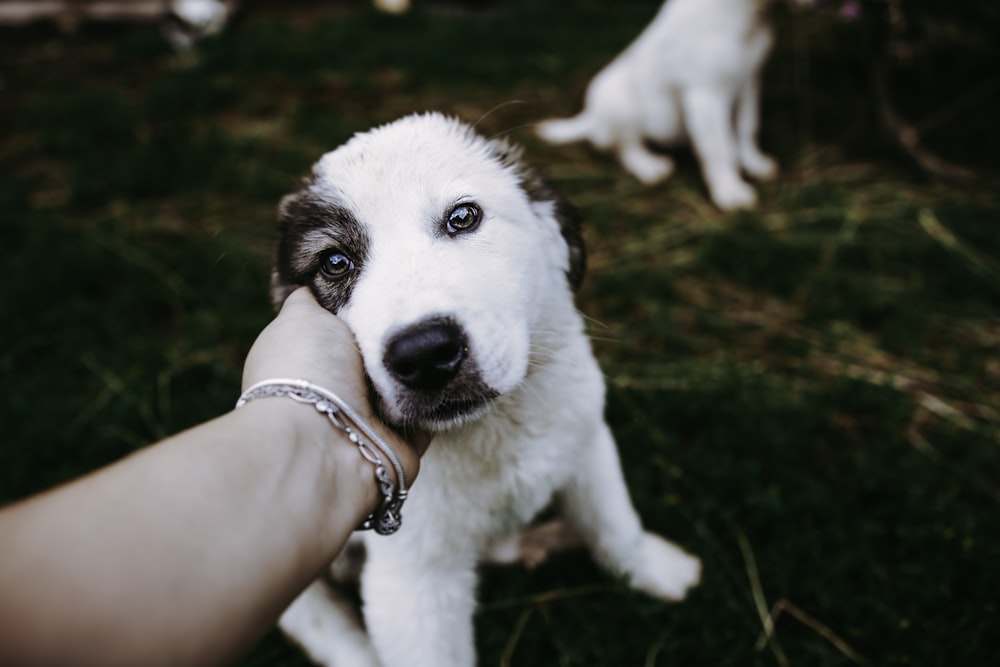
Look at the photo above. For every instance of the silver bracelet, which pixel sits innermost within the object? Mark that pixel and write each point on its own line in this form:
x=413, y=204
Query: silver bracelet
x=387, y=518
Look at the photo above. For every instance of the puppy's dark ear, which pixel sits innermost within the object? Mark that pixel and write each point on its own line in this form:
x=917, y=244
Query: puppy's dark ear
x=569, y=224
x=282, y=282
x=279, y=291
x=566, y=215
x=539, y=190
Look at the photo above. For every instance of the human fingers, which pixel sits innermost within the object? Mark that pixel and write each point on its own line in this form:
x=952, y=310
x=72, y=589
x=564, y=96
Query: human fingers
x=305, y=341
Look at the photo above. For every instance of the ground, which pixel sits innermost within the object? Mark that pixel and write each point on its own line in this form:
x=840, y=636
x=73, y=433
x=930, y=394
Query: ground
x=807, y=396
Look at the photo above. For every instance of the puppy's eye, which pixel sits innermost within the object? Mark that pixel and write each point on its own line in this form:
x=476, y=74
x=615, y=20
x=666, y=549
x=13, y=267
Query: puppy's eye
x=335, y=264
x=463, y=218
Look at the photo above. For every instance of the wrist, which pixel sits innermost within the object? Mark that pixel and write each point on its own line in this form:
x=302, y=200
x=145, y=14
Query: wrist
x=371, y=445
x=335, y=484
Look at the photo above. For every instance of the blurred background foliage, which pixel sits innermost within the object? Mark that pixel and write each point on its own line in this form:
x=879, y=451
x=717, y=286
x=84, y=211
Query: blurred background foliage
x=807, y=395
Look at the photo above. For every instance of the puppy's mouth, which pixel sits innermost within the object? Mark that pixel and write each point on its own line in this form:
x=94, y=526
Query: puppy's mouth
x=434, y=411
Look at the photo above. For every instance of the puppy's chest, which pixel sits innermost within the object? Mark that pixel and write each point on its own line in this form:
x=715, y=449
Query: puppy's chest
x=488, y=487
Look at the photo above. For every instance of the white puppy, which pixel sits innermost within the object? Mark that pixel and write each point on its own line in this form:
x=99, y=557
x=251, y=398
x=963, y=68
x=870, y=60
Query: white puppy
x=454, y=264
x=693, y=74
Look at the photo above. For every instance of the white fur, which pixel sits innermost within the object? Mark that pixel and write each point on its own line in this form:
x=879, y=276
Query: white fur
x=489, y=474
x=693, y=75
x=393, y=6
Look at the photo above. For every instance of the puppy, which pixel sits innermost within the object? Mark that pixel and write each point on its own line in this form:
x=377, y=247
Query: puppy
x=692, y=75
x=454, y=265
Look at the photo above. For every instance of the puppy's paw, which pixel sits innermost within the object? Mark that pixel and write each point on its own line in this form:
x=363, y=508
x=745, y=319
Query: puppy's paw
x=760, y=166
x=734, y=195
x=663, y=570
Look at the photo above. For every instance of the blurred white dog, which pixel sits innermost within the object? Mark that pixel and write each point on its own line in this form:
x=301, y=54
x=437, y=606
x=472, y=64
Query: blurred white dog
x=693, y=74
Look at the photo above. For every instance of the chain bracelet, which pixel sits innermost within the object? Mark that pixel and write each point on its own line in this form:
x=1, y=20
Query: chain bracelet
x=387, y=518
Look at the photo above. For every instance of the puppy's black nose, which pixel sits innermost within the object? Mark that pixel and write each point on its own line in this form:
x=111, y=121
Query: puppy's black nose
x=427, y=355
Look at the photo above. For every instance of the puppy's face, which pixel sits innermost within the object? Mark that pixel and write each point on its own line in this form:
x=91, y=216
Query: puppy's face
x=441, y=252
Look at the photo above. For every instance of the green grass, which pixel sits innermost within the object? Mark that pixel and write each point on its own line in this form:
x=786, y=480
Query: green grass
x=806, y=396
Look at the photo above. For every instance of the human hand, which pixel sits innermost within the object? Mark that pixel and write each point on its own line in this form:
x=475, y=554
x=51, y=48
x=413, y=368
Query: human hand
x=307, y=342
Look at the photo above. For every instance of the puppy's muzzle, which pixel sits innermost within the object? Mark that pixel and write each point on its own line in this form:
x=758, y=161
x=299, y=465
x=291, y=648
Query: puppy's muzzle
x=426, y=356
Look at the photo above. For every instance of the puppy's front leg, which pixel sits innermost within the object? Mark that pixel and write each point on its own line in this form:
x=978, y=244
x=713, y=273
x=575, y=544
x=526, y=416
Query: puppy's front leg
x=597, y=503
x=708, y=118
x=419, y=608
x=326, y=626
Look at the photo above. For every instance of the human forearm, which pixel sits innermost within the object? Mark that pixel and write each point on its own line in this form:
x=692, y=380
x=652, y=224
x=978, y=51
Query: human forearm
x=123, y=560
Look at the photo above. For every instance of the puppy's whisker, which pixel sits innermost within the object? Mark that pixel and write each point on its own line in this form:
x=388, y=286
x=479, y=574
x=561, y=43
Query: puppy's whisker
x=511, y=129
x=606, y=339
x=540, y=355
x=497, y=107
x=593, y=321
x=531, y=390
